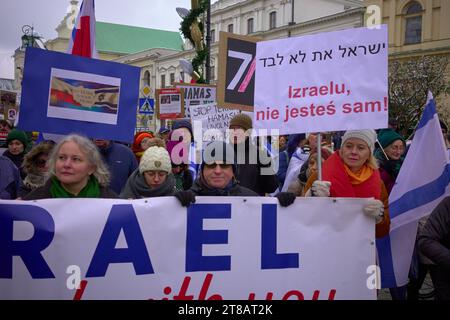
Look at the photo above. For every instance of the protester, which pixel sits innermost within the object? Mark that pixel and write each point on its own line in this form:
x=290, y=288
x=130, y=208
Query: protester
x=17, y=142
x=217, y=176
x=353, y=172
x=10, y=181
x=120, y=160
x=140, y=144
x=76, y=170
x=153, y=178
x=434, y=243
x=254, y=166
x=390, y=156
x=36, y=167
x=163, y=134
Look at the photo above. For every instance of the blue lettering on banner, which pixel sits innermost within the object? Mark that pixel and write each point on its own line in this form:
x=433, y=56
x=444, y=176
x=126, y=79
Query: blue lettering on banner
x=29, y=250
x=270, y=259
x=196, y=237
x=122, y=217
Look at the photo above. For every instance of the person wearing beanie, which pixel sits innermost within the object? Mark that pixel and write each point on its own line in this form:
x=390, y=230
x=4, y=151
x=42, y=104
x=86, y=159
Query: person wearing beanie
x=352, y=171
x=153, y=178
x=182, y=128
x=217, y=176
x=163, y=133
x=254, y=166
x=17, y=142
x=390, y=157
x=140, y=144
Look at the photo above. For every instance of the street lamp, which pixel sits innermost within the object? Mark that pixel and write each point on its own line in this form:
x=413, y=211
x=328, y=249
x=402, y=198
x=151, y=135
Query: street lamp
x=30, y=37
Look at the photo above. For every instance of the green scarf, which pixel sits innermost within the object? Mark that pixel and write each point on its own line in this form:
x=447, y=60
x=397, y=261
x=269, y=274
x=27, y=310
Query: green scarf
x=90, y=190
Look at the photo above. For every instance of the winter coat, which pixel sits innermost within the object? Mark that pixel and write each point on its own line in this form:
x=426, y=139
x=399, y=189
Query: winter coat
x=44, y=193
x=434, y=238
x=136, y=187
x=233, y=190
x=17, y=160
x=249, y=174
x=10, y=181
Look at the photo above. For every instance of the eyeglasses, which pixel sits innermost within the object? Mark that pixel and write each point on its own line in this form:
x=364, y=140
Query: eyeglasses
x=214, y=165
x=41, y=163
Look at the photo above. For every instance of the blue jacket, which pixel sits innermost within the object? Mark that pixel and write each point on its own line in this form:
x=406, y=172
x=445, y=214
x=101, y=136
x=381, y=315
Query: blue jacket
x=9, y=179
x=121, y=163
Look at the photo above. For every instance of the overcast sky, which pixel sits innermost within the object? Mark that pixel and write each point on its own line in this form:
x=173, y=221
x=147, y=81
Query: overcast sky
x=45, y=16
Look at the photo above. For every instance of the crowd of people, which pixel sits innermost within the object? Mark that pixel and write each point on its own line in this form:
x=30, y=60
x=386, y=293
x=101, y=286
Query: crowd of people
x=357, y=164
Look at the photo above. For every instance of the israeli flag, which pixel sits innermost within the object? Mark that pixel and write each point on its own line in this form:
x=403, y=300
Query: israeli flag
x=423, y=181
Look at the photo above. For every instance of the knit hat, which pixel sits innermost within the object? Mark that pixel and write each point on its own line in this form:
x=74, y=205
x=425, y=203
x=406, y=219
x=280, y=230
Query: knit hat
x=218, y=151
x=388, y=136
x=141, y=136
x=183, y=123
x=155, y=159
x=17, y=135
x=369, y=136
x=242, y=120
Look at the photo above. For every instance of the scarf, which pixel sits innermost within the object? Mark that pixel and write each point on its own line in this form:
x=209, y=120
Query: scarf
x=90, y=190
x=136, y=187
x=359, y=177
x=341, y=183
x=33, y=181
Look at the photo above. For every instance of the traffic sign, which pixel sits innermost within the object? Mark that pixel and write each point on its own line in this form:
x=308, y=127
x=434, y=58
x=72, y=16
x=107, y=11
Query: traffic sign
x=146, y=106
x=146, y=91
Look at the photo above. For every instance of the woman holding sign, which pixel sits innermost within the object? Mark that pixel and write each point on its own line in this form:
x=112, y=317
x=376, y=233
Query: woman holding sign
x=352, y=172
x=76, y=171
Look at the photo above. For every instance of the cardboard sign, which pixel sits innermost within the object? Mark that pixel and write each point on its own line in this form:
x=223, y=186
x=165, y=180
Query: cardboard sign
x=169, y=103
x=196, y=94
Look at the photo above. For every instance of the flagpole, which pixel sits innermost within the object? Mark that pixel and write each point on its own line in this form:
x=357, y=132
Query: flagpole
x=319, y=156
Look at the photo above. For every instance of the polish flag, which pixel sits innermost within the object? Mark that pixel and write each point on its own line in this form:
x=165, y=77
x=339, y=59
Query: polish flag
x=82, y=42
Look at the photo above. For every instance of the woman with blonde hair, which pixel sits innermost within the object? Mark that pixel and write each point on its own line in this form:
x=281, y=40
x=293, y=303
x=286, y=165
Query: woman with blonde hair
x=353, y=172
x=76, y=170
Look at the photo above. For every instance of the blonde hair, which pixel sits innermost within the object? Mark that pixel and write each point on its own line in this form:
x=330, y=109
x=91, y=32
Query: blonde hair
x=92, y=154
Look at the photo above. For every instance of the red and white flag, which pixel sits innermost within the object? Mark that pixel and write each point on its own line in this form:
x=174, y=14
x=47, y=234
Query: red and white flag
x=82, y=42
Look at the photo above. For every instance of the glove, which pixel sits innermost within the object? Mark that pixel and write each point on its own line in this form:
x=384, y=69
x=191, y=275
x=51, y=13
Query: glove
x=320, y=188
x=374, y=209
x=185, y=197
x=285, y=198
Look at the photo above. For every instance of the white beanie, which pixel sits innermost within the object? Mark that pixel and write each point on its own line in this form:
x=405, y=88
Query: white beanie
x=369, y=136
x=155, y=159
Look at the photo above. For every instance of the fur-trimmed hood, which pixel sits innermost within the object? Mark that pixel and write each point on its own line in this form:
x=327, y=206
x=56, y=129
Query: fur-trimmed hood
x=29, y=162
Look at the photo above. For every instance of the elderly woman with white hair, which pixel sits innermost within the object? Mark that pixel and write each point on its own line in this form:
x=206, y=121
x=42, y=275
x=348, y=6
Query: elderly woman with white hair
x=76, y=170
x=353, y=172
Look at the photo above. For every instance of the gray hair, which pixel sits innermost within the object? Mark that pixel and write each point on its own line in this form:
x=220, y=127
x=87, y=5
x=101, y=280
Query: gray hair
x=92, y=154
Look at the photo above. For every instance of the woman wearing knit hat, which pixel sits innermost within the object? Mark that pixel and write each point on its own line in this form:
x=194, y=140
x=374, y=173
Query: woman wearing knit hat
x=17, y=142
x=353, y=172
x=153, y=178
x=140, y=144
x=390, y=156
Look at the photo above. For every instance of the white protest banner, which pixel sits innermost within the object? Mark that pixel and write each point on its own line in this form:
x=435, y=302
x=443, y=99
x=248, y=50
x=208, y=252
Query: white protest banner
x=214, y=121
x=196, y=94
x=218, y=248
x=324, y=82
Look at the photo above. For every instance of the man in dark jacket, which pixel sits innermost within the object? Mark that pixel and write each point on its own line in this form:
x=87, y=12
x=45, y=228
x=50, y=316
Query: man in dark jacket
x=120, y=160
x=254, y=168
x=434, y=243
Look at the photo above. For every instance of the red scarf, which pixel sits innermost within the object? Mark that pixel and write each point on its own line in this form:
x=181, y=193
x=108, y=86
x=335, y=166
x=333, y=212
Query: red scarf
x=333, y=170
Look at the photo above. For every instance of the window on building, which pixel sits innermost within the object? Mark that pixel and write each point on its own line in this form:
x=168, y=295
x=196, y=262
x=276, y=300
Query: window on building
x=213, y=35
x=172, y=78
x=273, y=20
x=163, y=81
x=230, y=28
x=182, y=76
x=212, y=73
x=147, y=78
x=250, y=26
x=413, y=23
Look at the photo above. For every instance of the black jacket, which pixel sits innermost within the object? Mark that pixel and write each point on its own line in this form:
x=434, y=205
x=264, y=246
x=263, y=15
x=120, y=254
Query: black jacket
x=235, y=190
x=434, y=239
x=249, y=174
x=44, y=193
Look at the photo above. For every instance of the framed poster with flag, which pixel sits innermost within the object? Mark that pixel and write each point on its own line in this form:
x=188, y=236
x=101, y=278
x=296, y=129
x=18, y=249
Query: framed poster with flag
x=64, y=93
